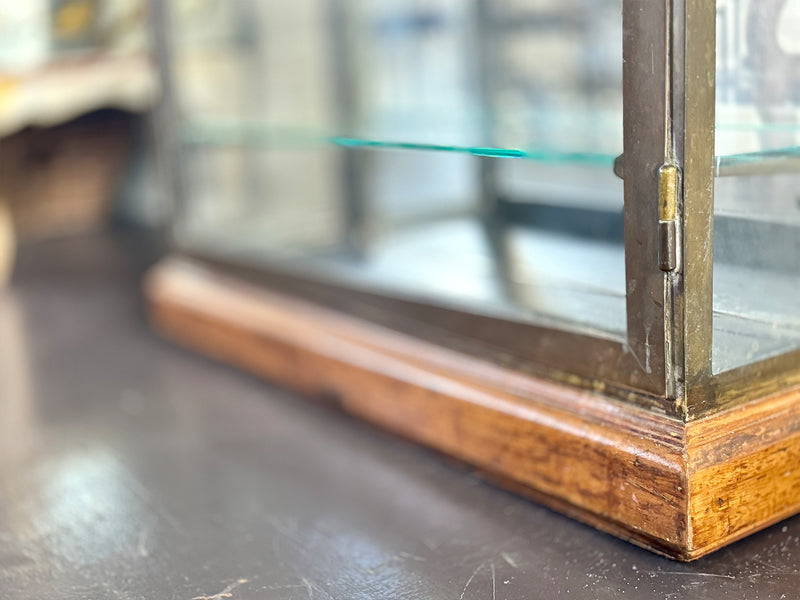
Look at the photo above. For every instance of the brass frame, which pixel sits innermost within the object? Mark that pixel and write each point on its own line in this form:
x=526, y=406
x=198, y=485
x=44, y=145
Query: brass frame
x=693, y=101
x=694, y=87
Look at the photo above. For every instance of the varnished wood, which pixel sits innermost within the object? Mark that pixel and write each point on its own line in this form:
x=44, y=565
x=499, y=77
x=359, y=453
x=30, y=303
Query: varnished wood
x=679, y=489
x=744, y=470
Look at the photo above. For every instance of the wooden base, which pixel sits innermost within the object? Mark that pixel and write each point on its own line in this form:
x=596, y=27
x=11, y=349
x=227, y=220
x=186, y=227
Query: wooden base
x=680, y=489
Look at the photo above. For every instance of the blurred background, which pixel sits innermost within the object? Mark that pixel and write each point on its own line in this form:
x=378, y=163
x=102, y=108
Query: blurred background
x=77, y=84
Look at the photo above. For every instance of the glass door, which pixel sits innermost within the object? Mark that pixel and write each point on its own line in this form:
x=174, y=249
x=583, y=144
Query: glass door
x=449, y=163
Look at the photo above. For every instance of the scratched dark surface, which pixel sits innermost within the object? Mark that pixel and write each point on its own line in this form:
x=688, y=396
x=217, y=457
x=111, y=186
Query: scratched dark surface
x=132, y=469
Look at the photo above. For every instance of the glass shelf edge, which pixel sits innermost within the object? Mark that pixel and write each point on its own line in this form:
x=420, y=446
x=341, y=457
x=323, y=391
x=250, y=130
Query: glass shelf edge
x=253, y=135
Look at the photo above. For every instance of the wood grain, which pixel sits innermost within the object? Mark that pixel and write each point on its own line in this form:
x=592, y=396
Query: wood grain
x=679, y=489
x=744, y=470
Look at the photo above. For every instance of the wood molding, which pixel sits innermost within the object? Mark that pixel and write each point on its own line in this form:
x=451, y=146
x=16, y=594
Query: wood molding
x=680, y=489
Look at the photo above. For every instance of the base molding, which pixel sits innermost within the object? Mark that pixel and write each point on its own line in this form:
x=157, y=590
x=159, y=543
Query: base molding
x=680, y=489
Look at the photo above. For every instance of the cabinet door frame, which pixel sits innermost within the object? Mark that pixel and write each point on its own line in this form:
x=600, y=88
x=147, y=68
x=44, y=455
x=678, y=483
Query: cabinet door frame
x=664, y=358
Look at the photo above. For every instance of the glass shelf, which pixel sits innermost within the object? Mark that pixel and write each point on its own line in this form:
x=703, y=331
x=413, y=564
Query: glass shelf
x=219, y=132
x=256, y=134
x=765, y=162
x=753, y=147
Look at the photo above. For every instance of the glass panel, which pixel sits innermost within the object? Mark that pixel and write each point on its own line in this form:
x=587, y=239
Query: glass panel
x=757, y=196
x=456, y=151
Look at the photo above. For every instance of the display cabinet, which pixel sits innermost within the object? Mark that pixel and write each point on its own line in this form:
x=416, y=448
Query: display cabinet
x=555, y=239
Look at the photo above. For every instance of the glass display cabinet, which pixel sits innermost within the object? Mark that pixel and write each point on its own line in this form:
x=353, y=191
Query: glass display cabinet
x=558, y=240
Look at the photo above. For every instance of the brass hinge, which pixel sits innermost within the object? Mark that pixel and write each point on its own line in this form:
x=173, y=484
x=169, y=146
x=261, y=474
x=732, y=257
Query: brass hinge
x=668, y=190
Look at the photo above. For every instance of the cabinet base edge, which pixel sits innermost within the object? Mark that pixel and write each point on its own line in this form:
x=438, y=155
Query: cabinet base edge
x=668, y=486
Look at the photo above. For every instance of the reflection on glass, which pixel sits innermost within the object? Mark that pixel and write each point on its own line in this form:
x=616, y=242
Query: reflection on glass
x=757, y=199
x=455, y=151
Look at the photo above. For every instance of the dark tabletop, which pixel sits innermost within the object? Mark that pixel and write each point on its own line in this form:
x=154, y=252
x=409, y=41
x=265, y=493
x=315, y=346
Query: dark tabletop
x=130, y=468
